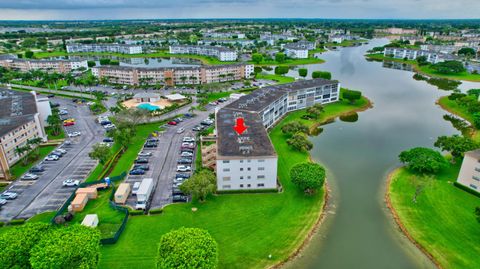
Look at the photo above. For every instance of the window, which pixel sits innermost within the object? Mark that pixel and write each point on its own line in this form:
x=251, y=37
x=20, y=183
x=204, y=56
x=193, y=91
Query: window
x=241, y=185
x=241, y=177
x=476, y=178
x=249, y=177
x=241, y=168
x=260, y=185
x=477, y=169
x=261, y=168
x=248, y=185
x=261, y=161
x=241, y=161
x=249, y=161
x=226, y=169
x=226, y=186
x=471, y=186
x=226, y=178
x=261, y=177
x=226, y=161
x=249, y=169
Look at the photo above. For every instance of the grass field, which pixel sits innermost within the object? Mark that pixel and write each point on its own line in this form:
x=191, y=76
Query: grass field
x=282, y=220
x=19, y=169
x=452, y=107
x=426, y=70
x=290, y=62
x=442, y=221
x=278, y=78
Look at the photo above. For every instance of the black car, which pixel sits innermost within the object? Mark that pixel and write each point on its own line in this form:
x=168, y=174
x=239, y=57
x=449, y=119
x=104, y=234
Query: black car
x=105, y=122
x=36, y=169
x=51, y=95
x=180, y=198
x=141, y=166
x=152, y=140
x=54, y=104
x=108, y=140
x=177, y=191
x=141, y=160
x=74, y=100
x=184, y=161
x=182, y=175
x=151, y=145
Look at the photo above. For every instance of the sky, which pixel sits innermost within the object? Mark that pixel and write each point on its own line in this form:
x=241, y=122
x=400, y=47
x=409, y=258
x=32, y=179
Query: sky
x=172, y=9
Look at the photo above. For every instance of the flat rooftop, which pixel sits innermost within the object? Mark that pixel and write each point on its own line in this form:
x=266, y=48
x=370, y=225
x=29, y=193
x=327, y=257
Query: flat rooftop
x=254, y=142
x=16, y=109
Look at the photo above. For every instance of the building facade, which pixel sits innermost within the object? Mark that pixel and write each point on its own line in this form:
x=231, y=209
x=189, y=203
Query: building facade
x=469, y=175
x=411, y=54
x=248, y=161
x=50, y=66
x=173, y=75
x=20, y=121
x=115, y=48
x=221, y=53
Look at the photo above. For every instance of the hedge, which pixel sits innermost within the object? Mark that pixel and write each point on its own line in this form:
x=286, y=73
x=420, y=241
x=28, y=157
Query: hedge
x=156, y=211
x=17, y=222
x=135, y=212
x=465, y=188
x=247, y=191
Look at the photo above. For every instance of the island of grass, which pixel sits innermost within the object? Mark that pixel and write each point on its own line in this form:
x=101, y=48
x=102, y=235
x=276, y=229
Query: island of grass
x=252, y=230
x=442, y=222
x=346, y=43
x=427, y=70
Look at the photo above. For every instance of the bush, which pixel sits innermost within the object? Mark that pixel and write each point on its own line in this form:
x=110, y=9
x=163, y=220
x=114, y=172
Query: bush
x=321, y=74
x=423, y=160
x=300, y=142
x=308, y=176
x=16, y=243
x=75, y=246
x=155, y=211
x=351, y=95
x=91, y=63
x=449, y=67
x=281, y=70
x=17, y=222
x=187, y=248
x=2, y=223
x=135, y=212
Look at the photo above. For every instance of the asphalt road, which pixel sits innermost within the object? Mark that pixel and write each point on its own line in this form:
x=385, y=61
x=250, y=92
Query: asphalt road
x=47, y=192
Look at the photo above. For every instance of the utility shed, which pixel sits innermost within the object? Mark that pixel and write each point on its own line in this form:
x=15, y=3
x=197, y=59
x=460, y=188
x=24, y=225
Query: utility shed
x=122, y=193
x=90, y=220
x=79, y=202
x=90, y=192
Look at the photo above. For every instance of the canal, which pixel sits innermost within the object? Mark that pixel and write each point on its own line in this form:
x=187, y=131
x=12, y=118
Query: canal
x=358, y=231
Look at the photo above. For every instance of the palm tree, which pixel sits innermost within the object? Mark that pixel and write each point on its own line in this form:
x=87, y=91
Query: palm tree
x=55, y=123
x=34, y=142
x=20, y=151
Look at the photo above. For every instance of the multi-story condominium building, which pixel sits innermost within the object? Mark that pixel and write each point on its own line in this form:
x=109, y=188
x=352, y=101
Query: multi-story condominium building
x=249, y=161
x=59, y=66
x=241, y=42
x=272, y=38
x=224, y=35
x=298, y=50
x=411, y=54
x=469, y=175
x=222, y=53
x=115, y=48
x=173, y=75
x=447, y=49
x=20, y=120
x=396, y=31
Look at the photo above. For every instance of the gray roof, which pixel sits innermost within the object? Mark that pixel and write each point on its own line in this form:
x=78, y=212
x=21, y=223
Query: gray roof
x=124, y=67
x=254, y=142
x=16, y=109
x=205, y=47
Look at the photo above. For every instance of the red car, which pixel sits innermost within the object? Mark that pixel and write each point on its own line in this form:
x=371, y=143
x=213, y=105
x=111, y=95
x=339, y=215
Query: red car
x=172, y=123
x=68, y=123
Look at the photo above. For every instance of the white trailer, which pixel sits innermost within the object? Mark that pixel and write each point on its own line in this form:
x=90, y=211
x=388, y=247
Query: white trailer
x=143, y=193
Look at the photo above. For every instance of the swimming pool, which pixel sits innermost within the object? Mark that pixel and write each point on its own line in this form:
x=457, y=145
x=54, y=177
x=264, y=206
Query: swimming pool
x=148, y=106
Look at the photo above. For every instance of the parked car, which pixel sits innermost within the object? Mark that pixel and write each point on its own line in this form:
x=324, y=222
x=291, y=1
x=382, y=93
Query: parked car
x=184, y=161
x=137, y=172
x=179, y=179
x=188, y=139
x=108, y=140
x=221, y=100
x=69, y=120
x=180, y=198
x=180, y=130
x=3, y=201
x=144, y=167
x=68, y=123
x=52, y=158
x=74, y=134
x=144, y=154
x=172, y=123
x=61, y=150
x=57, y=153
x=196, y=129
x=105, y=122
x=151, y=145
x=185, y=149
x=177, y=191
x=71, y=183
x=188, y=115
x=8, y=195
x=141, y=160
x=36, y=169
x=186, y=154
x=183, y=175
x=109, y=126
x=135, y=187
x=183, y=168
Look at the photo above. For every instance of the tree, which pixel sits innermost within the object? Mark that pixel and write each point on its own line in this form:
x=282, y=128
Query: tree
x=22, y=152
x=281, y=70
x=122, y=135
x=456, y=145
x=34, y=142
x=100, y=152
x=200, y=185
x=29, y=54
x=280, y=57
x=468, y=52
x=105, y=61
x=351, y=95
x=257, y=58
x=55, y=123
x=423, y=160
x=449, y=67
x=187, y=248
x=91, y=63
x=315, y=110
x=321, y=74
x=257, y=70
x=303, y=72
x=17, y=242
x=74, y=246
x=294, y=127
x=308, y=176
x=422, y=60
x=300, y=142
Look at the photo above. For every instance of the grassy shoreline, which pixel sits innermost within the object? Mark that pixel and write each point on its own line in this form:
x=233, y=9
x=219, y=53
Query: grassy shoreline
x=426, y=70
x=289, y=215
x=454, y=108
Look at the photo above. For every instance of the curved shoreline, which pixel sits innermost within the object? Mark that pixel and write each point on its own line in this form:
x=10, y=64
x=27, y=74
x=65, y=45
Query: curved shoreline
x=399, y=223
x=321, y=218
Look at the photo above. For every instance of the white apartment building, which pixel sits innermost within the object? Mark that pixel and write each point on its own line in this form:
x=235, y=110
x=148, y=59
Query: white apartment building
x=249, y=161
x=298, y=50
x=20, y=120
x=115, y=48
x=221, y=53
x=469, y=175
x=59, y=66
x=411, y=54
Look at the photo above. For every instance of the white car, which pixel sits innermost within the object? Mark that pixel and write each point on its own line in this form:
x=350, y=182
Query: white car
x=144, y=154
x=180, y=130
x=184, y=168
x=109, y=126
x=186, y=154
x=8, y=195
x=188, y=139
x=71, y=183
x=74, y=134
x=61, y=150
x=3, y=201
x=135, y=188
x=29, y=176
x=51, y=158
x=187, y=144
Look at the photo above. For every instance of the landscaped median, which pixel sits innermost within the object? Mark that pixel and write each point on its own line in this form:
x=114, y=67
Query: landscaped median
x=441, y=222
x=252, y=230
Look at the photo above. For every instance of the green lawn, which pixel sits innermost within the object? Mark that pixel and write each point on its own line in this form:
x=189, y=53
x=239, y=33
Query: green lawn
x=427, y=70
x=18, y=169
x=278, y=78
x=43, y=217
x=38, y=83
x=290, y=62
x=442, y=221
x=281, y=220
x=51, y=136
x=452, y=107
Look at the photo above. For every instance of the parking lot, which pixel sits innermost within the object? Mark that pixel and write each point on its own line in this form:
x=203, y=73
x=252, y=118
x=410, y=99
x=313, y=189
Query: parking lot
x=47, y=193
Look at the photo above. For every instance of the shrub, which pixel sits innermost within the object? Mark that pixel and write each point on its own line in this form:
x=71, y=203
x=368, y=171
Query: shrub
x=17, y=222
x=187, y=248
x=351, y=95
x=321, y=74
x=156, y=211
x=135, y=212
x=449, y=67
x=423, y=160
x=308, y=176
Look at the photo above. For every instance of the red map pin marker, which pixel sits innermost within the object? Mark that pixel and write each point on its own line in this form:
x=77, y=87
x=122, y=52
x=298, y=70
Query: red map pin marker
x=240, y=126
